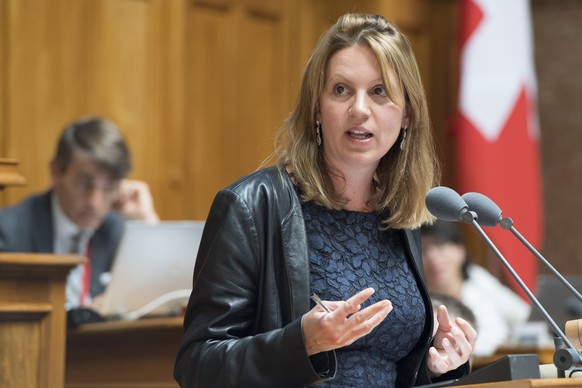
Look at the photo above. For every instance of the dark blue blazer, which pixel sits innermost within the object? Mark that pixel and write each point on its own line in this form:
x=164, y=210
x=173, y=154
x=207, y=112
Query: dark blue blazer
x=28, y=227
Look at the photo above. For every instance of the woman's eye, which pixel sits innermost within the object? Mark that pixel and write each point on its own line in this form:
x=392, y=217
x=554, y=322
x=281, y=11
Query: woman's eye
x=379, y=91
x=339, y=89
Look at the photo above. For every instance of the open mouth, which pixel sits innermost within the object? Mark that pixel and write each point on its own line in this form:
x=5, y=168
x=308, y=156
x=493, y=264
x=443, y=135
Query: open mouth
x=359, y=135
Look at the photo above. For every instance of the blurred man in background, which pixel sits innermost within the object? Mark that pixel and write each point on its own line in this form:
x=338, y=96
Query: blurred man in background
x=84, y=211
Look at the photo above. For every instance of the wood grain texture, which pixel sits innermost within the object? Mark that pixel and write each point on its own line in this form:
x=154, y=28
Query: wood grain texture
x=199, y=86
x=32, y=319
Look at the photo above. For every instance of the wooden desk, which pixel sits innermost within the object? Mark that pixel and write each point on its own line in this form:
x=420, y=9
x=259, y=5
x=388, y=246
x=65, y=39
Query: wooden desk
x=123, y=354
x=132, y=354
x=32, y=318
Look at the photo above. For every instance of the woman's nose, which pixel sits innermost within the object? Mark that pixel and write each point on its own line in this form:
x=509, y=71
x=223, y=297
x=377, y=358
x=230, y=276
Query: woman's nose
x=360, y=106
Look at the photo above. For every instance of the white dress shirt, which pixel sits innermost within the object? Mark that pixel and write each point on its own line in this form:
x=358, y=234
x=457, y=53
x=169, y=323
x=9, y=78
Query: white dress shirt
x=65, y=232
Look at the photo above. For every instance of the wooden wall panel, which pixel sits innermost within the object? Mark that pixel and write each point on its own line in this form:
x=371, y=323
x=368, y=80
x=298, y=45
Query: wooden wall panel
x=198, y=87
x=109, y=58
x=237, y=92
x=262, y=76
x=42, y=79
x=171, y=177
x=122, y=65
x=135, y=76
x=210, y=98
x=3, y=69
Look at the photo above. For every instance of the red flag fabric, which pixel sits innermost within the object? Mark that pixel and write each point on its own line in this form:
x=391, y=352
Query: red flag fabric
x=496, y=128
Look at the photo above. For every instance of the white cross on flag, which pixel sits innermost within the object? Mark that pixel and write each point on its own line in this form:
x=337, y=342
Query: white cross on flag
x=496, y=128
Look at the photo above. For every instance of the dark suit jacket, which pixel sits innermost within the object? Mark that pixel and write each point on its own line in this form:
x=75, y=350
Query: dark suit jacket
x=28, y=227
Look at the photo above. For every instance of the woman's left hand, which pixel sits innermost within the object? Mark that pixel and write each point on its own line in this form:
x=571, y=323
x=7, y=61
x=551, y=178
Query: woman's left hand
x=453, y=343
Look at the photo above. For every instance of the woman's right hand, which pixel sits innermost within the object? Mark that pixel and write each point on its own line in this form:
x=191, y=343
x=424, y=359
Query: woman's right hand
x=344, y=324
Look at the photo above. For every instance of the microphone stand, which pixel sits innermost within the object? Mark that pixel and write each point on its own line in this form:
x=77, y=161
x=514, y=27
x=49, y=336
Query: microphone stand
x=564, y=358
x=507, y=224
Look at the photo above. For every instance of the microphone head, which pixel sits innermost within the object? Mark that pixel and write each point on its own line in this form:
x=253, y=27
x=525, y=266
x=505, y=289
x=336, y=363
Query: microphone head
x=445, y=204
x=488, y=213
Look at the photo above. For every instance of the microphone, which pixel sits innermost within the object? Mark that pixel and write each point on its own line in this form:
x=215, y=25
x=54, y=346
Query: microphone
x=489, y=214
x=448, y=205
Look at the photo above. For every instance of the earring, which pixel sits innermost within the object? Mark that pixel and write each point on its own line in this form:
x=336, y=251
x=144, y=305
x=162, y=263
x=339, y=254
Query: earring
x=403, y=141
x=318, y=132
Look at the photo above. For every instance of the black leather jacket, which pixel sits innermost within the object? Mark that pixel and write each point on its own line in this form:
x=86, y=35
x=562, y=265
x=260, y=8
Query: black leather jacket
x=251, y=288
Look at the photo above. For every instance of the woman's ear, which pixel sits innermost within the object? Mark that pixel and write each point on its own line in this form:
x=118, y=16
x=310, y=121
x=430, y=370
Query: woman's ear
x=406, y=119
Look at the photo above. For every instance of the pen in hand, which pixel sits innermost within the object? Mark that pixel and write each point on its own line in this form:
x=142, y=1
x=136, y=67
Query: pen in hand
x=317, y=300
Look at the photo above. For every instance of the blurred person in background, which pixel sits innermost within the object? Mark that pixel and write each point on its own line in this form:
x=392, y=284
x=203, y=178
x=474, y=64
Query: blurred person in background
x=497, y=309
x=84, y=210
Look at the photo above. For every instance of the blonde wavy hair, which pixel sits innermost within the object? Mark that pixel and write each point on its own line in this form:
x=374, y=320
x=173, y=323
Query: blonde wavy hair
x=403, y=177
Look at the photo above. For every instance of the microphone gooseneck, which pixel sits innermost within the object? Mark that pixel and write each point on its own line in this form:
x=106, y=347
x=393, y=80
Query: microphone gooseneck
x=483, y=208
x=523, y=286
x=489, y=214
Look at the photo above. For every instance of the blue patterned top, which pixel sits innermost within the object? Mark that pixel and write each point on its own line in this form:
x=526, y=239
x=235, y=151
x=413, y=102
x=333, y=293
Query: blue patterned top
x=348, y=252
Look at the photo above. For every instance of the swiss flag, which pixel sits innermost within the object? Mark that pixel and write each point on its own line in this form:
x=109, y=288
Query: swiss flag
x=496, y=128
